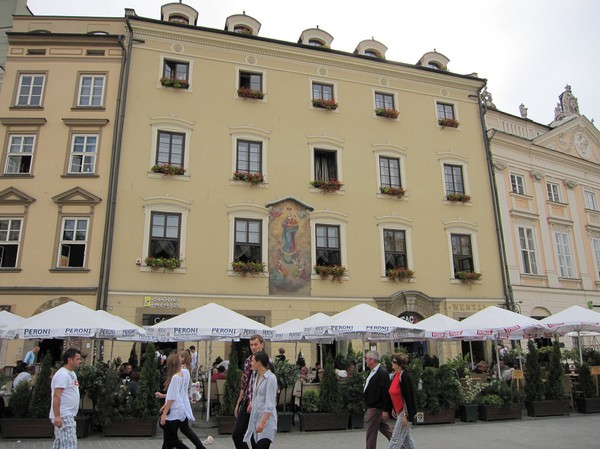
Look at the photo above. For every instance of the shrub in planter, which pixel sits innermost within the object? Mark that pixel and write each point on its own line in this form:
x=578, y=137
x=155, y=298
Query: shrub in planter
x=555, y=385
x=310, y=401
x=287, y=374
x=233, y=385
x=42, y=391
x=145, y=405
x=586, y=381
x=114, y=401
x=133, y=358
x=352, y=392
x=20, y=400
x=534, y=388
x=330, y=398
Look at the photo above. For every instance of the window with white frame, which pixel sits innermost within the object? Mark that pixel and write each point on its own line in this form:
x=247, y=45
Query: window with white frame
x=170, y=148
x=394, y=244
x=328, y=245
x=389, y=172
x=321, y=91
x=248, y=156
x=73, y=242
x=250, y=81
x=590, y=200
x=454, y=179
x=19, y=157
x=165, y=235
x=462, y=253
x=91, y=91
x=517, y=183
x=445, y=111
x=384, y=101
x=10, y=241
x=30, y=90
x=553, y=190
x=84, y=149
x=596, y=247
x=526, y=243
x=176, y=70
x=248, y=240
x=563, y=251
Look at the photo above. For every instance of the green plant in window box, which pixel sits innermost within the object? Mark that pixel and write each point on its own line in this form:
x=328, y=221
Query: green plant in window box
x=252, y=178
x=468, y=277
x=330, y=105
x=175, y=83
x=448, y=122
x=169, y=263
x=387, y=113
x=400, y=274
x=168, y=169
x=398, y=192
x=458, y=197
x=248, y=268
x=335, y=272
x=327, y=186
x=246, y=92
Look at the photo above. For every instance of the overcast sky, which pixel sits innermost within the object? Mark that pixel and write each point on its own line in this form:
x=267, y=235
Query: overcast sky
x=528, y=50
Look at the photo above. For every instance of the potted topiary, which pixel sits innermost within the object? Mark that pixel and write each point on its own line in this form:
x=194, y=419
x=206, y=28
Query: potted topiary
x=441, y=395
x=470, y=390
x=352, y=391
x=287, y=375
x=587, y=401
x=499, y=401
x=233, y=385
x=90, y=378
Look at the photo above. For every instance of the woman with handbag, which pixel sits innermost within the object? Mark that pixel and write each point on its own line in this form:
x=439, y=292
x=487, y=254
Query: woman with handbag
x=173, y=411
x=186, y=363
x=404, y=403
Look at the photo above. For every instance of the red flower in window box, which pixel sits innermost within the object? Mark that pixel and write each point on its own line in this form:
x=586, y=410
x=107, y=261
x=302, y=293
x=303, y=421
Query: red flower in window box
x=168, y=169
x=246, y=92
x=400, y=274
x=177, y=84
x=329, y=186
x=330, y=105
x=458, y=197
x=393, y=191
x=252, y=178
x=388, y=113
x=169, y=263
x=335, y=272
x=248, y=268
x=449, y=122
x=468, y=277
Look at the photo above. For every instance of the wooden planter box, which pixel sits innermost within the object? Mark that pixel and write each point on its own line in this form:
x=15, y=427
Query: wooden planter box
x=284, y=421
x=357, y=420
x=83, y=424
x=225, y=424
x=131, y=427
x=548, y=408
x=324, y=421
x=444, y=416
x=26, y=428
x=469, y=413
x=488, y=413
x=588, y=405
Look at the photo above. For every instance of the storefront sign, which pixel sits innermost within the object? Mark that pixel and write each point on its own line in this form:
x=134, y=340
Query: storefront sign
x=161, y=302
x=467, y=306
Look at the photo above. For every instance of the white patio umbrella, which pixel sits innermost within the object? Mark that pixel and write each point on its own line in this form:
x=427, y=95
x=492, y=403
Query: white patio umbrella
x=293, y=331
x=8, y=319
x=117, y=328
x=438, y=327
x=573, y=319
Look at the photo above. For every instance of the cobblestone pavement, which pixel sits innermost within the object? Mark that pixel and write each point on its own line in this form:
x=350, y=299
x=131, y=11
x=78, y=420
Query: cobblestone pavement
x=575, y=431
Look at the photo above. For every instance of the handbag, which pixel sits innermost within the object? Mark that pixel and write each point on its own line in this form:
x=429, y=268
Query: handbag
x=194, y=392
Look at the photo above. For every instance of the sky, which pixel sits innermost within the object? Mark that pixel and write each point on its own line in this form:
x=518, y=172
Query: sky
x=528, y=50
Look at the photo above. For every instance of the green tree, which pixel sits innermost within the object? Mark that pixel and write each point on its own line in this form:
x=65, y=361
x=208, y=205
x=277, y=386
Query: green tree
x=330, y=397
x=534, y=388
x=449, y=387
x=20, y=400
x=586, y=382
x=233, y=385
x=42, y=391
x=113, y=399
x=555, y=385
x=352, y=391
x=145, y=404
x=287, y=375
x=133, y=358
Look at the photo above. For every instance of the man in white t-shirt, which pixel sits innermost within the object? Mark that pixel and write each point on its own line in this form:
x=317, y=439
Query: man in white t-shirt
x=65, y=401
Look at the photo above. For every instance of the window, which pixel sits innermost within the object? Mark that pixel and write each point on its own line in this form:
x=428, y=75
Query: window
x=249, y=156
x=517, y=183
x=434, y=65
x=527, y=250
x=453, y=176
x=165, y=235
x=20, y=154
x=328, y=250
x=248, y=240
x=316, y=43
x=325, y=165
x=389, y=171
x=242, y=29
x=590, y=200
x=462, y=253
x=10, y=239
x=372, y=53
x=178, y=18
x=553, y=192
x=73, y=243
x=563, y=250
x=394, y=243
x=30, y=91
x=384, y=101
x=174, y=70
x=252, y=81
x=322, y=91
x=91, y=90
x=445, y=111
x=596, y=245
x=83, y=154
x=170, y=148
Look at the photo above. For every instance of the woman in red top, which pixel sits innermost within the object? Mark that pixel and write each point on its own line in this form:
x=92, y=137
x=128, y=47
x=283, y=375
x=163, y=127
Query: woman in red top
x=404, y=403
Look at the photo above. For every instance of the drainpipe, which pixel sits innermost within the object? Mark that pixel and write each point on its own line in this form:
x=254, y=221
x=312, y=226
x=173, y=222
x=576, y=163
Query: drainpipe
x=508, y=293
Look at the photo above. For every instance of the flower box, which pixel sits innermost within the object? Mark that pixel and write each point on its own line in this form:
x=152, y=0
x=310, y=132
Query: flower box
x=387, y=113
x=177, y=84
x=398, y=192
x=335, y=272
x=169, y=263
x=448, y=122
x=252, y=178
x=168, y=169
x=548, y=407
x=246, y=92
x=330, y=105
x=329, y=186
x=458, y=197
x=491, y=413
x=245, y=268
x=468, y=277
x=400, y=274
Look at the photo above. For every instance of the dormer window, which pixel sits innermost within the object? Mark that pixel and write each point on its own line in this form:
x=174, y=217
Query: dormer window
x=372, y=53
x=316, y=43
x=434, y=65
x=242, y=30
x=179, y=19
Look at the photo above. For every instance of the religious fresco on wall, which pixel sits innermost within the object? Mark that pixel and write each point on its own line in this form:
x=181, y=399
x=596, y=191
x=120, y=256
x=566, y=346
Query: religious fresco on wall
x=289, y=249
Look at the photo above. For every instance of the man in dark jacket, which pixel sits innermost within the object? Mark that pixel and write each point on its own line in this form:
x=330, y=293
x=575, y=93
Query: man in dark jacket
x=378, y=400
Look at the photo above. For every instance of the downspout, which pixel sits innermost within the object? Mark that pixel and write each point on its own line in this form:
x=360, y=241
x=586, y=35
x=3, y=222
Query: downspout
x=107, y=243
x=508, y=293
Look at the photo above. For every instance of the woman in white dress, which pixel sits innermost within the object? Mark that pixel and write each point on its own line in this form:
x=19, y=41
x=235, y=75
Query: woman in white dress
x=173, y=412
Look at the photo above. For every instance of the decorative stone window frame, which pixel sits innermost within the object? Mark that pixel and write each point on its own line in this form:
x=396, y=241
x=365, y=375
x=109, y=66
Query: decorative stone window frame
x=18, y=79
x=80, y=75
x=455, y=159
x=248, y=212
x=175, y=58
x=523, y=179
x=377, y=90
x=329, y=82
x=462, y=227
x=329, y=218
x=327, y=144
x=446, y=101
x=83, y=126
x=20, y=126
x=175, y=125
x=254, y=134
x=17, y=202
x=386, y=150
x=396, y=224
x=254, y=70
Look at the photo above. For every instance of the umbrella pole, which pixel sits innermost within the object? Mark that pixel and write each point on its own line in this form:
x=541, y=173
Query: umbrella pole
x=363, y=354
x=471, y=353
x=208, y=370
x=112, y=347
x=497, y=360
x=579, y=344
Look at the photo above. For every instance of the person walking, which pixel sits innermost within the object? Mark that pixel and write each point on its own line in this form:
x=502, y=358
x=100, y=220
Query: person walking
x=65, y=401
x=186, y=359
x=242, y=411
x=377, y=398
x=404, y=403
x=263, y=417
x=173, y=411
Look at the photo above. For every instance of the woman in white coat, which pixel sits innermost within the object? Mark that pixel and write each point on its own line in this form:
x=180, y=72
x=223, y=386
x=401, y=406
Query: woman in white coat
x=263, y=416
